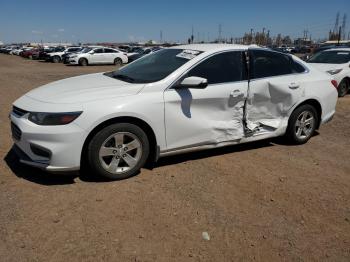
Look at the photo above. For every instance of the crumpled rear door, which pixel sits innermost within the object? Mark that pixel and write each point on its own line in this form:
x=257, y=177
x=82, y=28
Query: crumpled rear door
x=270, y=96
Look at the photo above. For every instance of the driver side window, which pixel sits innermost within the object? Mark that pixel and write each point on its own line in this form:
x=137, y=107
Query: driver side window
x=221, y=68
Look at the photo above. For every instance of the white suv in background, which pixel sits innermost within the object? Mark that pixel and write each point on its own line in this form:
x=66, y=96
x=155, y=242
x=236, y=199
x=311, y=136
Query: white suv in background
x=335, y=62
x=98, y=55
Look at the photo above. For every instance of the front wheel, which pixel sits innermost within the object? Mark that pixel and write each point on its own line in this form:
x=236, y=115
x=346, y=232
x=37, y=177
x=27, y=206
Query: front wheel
x=343, y=88
x=83, y=62
x=302, y=124
x=118, y=151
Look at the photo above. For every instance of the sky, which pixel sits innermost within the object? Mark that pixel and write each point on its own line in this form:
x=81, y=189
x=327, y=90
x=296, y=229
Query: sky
x=123, y=21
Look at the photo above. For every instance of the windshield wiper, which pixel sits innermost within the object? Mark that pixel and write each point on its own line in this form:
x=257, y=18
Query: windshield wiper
x=124, y=77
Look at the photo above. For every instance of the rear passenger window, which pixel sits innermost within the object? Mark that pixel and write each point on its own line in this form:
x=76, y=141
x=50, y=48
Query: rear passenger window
x=298, y=68
x=108, y=50
x=222, y=68
x=266, y=63
x=98, y=51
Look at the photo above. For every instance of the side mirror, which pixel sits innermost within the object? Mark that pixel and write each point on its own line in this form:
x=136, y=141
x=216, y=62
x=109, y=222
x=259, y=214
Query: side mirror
x=92, y=52
x=193, y=82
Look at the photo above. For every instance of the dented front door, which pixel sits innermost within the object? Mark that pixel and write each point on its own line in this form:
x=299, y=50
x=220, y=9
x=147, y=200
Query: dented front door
x=195, y=117
x=273, y=91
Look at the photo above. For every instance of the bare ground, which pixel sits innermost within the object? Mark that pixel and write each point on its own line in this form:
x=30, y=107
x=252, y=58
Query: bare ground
x=262, y=201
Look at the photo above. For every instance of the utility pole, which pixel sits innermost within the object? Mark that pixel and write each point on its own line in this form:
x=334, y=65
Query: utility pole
x=251, y=35
x=263, y=37
x=336, y=23
x=192, y=36
x=161, y=36
x=220, y=31
x=339, y=35
x=343, y=26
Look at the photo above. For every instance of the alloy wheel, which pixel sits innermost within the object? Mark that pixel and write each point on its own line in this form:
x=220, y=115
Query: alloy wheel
x=120, y=152
x=304, y=125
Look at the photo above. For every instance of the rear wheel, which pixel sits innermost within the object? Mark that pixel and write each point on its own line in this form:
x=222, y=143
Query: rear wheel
x=56, y=59
x=302, y=124
x=343, y=88
x=118, y=151
x=118, y=61
x=83, y=62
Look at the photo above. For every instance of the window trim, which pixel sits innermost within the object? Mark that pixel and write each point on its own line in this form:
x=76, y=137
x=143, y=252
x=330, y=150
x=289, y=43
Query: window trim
x=183, y=75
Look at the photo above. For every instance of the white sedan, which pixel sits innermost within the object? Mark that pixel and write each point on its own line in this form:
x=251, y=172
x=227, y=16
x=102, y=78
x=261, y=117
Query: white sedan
x=98, y=55
x=179, y=99
x=336, y=62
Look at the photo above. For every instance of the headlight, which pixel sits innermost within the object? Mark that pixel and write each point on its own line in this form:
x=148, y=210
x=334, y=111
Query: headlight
x=53, y=119
x=334, y=71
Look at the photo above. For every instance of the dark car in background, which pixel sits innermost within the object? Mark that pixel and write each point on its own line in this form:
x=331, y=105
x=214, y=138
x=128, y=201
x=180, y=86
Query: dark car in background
x=143, y=52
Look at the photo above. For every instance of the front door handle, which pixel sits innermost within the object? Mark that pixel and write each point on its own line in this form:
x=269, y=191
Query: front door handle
x=236, y=93
x=293, y=85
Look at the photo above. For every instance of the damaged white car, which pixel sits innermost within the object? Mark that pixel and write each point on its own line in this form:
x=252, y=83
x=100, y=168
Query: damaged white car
x=176, y=100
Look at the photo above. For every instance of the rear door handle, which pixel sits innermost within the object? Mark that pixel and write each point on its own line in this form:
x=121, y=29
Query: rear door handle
x=236, y=93
x=293, y=85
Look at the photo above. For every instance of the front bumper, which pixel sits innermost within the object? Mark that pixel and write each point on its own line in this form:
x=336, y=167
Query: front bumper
x=63, y=144
x=73, y=61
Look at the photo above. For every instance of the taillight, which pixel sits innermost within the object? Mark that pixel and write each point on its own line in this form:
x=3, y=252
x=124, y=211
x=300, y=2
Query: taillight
x=334, y=83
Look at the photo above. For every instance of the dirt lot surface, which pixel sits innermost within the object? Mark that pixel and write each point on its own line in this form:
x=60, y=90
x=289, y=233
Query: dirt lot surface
x=263, y=201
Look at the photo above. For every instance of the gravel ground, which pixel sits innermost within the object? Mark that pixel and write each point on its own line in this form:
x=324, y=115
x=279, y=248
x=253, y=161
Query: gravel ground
x=263, y=201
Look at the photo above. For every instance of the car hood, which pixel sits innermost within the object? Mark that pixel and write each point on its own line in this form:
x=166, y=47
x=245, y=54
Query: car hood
x=84, y=88
x=326, y=67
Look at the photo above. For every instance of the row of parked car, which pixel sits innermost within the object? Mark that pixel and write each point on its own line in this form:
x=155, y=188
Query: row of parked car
x=82, y=55
x=334, y=60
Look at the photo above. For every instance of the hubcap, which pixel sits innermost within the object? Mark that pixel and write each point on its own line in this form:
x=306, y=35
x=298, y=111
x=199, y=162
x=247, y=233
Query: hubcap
x=304, y=125
x=120, y=152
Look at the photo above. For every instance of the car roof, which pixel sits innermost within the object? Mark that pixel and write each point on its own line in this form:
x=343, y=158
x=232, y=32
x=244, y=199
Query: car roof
x=95, y=46
x=212, y=47
x=338, y=49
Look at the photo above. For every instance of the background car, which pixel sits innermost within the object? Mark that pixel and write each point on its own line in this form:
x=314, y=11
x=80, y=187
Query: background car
x=56, y=55
x=98, y=55
x=143, y=52
x=31, y=53
x=336, y=62
x=65, y=56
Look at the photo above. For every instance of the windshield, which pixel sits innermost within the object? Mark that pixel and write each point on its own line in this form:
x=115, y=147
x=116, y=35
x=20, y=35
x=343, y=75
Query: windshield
x=331, y=57
x=154, y=67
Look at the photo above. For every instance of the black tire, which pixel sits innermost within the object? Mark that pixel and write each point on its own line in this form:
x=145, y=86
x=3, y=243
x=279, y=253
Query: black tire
x=118, y=61
x=56, y=59
x=83, y=62
x=343, y=88
x=291, y=133
x=93, y=150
